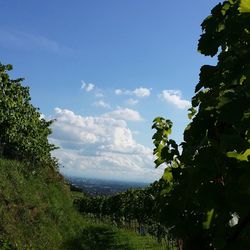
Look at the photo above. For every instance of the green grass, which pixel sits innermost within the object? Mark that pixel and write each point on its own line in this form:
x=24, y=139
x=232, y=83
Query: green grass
x=36, y=209
x=37, y=212
x=77, y=195
x=101, y=237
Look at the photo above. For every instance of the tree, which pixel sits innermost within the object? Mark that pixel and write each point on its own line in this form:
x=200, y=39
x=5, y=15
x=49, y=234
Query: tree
x=23, y=132
x=207, y=191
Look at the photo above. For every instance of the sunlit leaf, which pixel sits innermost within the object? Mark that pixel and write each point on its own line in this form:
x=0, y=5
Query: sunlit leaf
x=206, y=224
x=167, y=175
x=240, y=157
x=244, y=6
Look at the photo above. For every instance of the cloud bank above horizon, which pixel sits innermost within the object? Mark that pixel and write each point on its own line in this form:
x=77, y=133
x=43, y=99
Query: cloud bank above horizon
x=101, y=146
x=104, y=144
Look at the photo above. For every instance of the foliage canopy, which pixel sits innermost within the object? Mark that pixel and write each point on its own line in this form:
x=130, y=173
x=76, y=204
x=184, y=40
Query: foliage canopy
x=207, y=192
x=23, y=132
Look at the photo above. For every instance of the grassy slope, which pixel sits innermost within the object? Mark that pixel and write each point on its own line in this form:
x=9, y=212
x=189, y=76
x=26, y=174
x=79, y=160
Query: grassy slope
x=35, y=208
x=36, y=212
x=101, y=237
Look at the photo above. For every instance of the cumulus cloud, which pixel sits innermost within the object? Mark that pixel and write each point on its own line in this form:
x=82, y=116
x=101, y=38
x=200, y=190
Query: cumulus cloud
x=174, y=97
x=87, y=86
x=138, y=92
x=132, y=101
x=141, y=92
x=101, y=104
x=124, y=114
x=42, y=116
x=119, y=91
x=100, y=146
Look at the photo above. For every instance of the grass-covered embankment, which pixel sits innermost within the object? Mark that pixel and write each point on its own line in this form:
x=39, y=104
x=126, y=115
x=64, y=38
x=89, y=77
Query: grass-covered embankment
x=35, y=208
x=37, y=212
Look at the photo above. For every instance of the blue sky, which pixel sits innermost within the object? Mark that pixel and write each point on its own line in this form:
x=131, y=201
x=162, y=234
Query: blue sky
x=104, y=70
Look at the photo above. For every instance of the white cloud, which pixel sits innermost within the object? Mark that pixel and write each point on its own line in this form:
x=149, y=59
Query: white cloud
x=101, y=104
x=100, y=147
x=174, y=97
x=132, y=101
x=42, y=116
x=138, y=92
x=87, y=86
x=124, y=114
x=119, y=92
x=141, y=92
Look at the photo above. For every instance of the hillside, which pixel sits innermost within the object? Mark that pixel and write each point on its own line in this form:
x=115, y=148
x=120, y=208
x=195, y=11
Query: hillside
x=37, y=212
x=35, y=208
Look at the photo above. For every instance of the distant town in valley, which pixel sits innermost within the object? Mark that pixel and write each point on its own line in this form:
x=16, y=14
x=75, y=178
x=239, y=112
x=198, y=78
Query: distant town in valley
x=102, y=187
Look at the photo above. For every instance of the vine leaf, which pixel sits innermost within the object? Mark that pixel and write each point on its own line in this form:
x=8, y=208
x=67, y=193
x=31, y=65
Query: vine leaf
x=206, y=224
x=244, y=6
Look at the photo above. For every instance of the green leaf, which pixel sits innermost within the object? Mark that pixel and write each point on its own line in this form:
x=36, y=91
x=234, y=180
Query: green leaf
x=244, y=6
x=240, y=157
x=225, y=8
x=192, y=112
x=206, y=224
x=167, y=176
